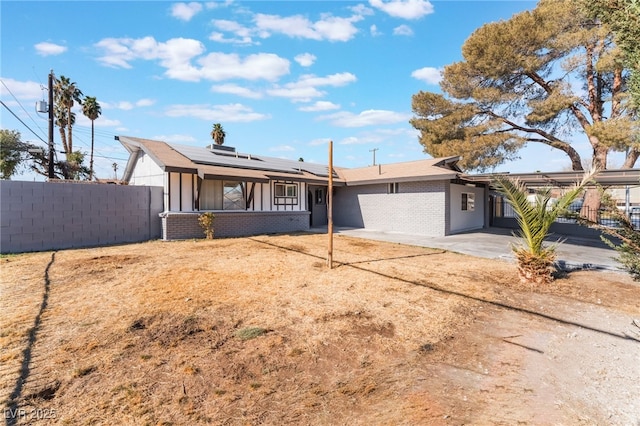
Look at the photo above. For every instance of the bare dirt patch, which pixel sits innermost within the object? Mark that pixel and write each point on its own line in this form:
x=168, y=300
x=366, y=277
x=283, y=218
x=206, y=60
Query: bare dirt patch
x=259, y=331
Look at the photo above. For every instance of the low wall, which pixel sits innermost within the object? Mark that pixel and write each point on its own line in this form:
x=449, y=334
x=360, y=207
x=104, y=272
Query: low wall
x=180, y=225
x=557, y=228
x=38, y=216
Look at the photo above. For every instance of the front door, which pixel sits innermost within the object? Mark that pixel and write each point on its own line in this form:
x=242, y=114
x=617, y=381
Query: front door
x=317, y=201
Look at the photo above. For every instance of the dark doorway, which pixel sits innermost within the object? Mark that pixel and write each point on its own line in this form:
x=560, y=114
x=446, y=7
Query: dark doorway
x=317, y=202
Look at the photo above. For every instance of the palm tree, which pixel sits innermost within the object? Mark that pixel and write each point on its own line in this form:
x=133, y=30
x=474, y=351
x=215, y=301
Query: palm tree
x=65, y=93
x=218, y=134
x=92, y=110
x=535, y=260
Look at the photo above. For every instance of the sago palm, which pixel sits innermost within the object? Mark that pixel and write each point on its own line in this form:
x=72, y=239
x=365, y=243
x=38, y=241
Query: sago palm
x=535, y=259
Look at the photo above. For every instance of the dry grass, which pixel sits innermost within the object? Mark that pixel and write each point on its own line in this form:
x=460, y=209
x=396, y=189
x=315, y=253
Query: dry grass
x=249, y=330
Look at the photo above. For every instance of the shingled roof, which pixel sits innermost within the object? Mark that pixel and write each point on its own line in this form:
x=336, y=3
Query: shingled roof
x=216, y=163
x=420, y=170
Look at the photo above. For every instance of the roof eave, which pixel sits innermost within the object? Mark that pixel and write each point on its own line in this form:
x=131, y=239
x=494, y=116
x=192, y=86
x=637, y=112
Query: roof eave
x=427, y=178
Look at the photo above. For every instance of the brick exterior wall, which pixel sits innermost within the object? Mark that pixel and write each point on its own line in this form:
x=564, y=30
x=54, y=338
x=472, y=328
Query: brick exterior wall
x=182, y=225
x=37, y=216
x=420, y=208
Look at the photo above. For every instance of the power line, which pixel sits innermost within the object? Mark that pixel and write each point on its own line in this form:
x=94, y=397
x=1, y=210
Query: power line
x=38, y=136
x=21, y=106
x=23, y=123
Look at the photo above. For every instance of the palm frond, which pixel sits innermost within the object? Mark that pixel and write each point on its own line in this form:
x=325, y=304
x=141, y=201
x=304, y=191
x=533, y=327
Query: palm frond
x=535, y=260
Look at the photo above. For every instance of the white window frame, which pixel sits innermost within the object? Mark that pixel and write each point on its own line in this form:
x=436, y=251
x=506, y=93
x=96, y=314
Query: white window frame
x=393, y=188
x=290, y=191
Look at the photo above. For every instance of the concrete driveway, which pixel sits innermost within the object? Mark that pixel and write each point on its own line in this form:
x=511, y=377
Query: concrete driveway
x=495, y=243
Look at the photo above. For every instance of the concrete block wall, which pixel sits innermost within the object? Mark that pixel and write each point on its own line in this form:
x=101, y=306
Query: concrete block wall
x=182, y=225
x=37, y=216
x=420, y=208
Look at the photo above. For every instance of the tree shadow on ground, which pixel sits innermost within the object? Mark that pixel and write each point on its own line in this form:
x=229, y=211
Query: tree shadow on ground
x=435, y=287
x=12, y=414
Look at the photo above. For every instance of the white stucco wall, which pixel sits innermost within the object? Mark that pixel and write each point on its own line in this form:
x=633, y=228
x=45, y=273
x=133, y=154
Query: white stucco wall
x=146, y=172
x=466, y=220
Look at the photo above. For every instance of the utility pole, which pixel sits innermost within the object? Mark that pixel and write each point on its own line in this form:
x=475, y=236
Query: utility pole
x=330, y=209
x=374, y=155
x=51, y=151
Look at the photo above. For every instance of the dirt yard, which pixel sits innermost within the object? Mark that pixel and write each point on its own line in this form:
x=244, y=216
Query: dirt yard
x=259, y=331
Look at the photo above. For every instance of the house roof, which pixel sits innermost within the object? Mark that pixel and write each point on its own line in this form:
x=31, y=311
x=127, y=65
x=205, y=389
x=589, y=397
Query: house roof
x=212, y=164
x=219, y=163
x=420, y=170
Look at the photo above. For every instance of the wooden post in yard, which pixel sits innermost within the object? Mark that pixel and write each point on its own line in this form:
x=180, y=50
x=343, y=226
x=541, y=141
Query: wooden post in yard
x=330, y=208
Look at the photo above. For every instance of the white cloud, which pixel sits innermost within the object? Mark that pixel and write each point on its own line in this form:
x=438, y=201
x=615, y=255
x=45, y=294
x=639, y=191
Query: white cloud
x=403, y=30
x=364, y=138
x=305, y=88
x=305, y=59
x=232, y=113
x=243, y=35
x=23, y=90
x=362, y=10
x=329, y=27
x=319, y=141
x=176, y=55
x=282, y=148
x=126, y=105
x=260, y=66
x=405, y=9
x=234, y=89
x=335, y=80
x=48, y=49
x=175, y=138
x=320, y=106
x=185, y=11
x=429, y=75
x=220, y=38
x=366, y=118
x=145, y=102
x=380, y=137
x=373, y=30
x=82, y=120
x=296, y=93
x=351, y=140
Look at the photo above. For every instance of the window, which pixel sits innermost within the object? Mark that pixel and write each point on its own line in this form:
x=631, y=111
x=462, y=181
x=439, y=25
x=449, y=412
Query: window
x=222, y=195
x=232, y=196
x=394, y=188
x=286, y=193
x=319, y=196
x=468, y=201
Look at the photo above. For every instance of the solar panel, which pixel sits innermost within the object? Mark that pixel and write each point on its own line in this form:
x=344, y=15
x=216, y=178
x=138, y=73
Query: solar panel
x=201, y=155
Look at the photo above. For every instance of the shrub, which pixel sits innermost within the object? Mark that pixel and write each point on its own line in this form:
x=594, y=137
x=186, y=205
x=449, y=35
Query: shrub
x=249, y=333
x=206, y=222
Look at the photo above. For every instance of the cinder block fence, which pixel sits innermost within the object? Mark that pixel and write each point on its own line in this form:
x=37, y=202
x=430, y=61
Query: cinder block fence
x=37, y=216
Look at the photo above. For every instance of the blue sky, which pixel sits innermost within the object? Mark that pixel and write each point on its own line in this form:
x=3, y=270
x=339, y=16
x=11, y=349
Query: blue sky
x=283, y=78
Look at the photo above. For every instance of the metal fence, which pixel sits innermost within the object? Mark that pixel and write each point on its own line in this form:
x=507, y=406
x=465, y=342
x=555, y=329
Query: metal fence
x=502, y=209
